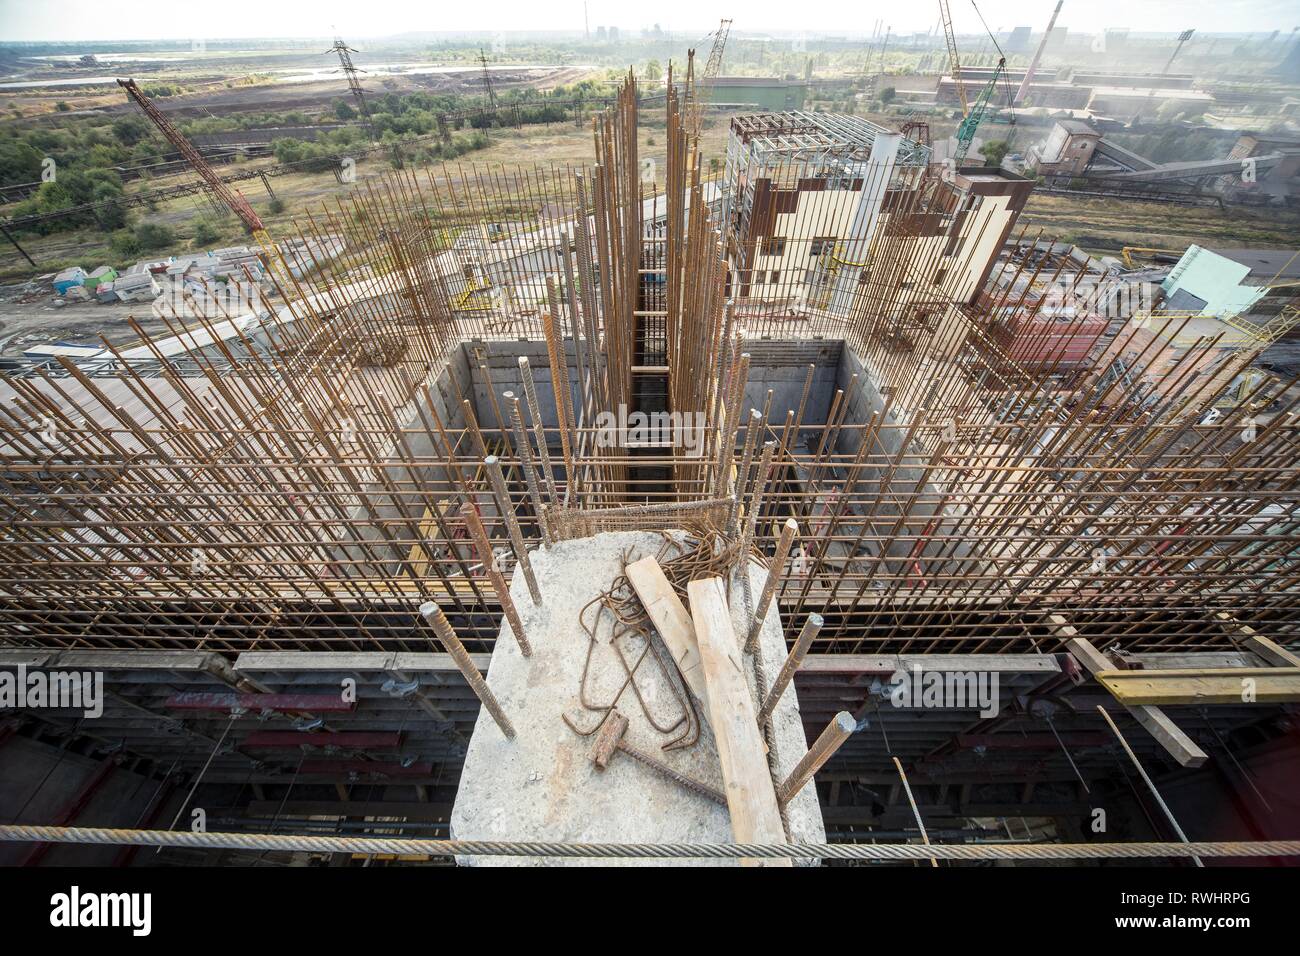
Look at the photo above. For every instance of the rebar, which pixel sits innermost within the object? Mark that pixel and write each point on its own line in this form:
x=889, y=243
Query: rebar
x=502, y=590
x=811, y=626
x=507, y=512
x=451, y=643
x=775, y=570
x=828, y=741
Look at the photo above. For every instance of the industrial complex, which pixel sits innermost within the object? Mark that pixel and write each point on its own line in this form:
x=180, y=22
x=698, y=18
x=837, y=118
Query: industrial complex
x=808, y=507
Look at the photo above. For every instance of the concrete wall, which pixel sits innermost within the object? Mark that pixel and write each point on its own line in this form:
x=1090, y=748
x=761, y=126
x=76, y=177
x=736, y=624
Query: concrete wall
x=501, y=359
x=782, y=366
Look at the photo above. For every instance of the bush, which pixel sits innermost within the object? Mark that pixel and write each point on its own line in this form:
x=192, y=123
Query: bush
x=151, y=235
x=206, y=233
x=124, y=244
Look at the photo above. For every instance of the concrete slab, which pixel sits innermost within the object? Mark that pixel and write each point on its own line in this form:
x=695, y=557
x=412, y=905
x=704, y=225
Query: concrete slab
x=542, y=786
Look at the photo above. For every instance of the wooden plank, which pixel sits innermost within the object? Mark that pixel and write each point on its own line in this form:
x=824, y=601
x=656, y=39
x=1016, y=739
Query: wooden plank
x=670, y=619
x=1273, y=653
x=1181, y=747
x=1228, y=685
x=751, y=795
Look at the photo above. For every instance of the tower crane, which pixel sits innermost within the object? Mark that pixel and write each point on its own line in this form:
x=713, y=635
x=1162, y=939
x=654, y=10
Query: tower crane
x=971, y=121
x=972, y=113
x=954, y=63
x=711, y=68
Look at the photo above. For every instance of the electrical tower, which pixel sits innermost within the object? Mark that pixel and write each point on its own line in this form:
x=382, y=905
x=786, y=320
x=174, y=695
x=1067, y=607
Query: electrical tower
x=487, y=79
x=354, y=84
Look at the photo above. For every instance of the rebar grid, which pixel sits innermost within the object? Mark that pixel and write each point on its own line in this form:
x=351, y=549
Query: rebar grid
x=298, y=483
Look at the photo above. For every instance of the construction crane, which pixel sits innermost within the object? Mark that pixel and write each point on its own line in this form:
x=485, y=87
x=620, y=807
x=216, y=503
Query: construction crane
x=232, y=198
x=702, y=87
x=971, y=121
x=954, y=64
x=974, y=115
x=1182, y=38
x=1038, y=56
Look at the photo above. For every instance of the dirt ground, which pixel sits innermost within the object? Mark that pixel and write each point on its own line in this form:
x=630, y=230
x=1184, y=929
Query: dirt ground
x=24, y=324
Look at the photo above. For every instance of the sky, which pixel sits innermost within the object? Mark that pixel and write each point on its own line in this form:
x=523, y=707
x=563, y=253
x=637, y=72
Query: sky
x=355, y=19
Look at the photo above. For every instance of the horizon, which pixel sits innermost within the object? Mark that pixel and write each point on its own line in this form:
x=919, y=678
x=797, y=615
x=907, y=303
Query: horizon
x=60, y=22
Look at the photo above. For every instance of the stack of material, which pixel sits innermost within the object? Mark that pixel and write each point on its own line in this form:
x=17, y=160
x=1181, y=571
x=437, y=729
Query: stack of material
x=232, y=261
x=96, y=280
x=135, y=286
x=200, y=265
x=306, y=255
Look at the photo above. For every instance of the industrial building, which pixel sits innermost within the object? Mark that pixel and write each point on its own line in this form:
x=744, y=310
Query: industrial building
x=913, y=568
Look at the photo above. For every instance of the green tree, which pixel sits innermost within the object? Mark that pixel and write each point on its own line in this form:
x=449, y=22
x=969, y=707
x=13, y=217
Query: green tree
x=129, y=130
x=994, y=152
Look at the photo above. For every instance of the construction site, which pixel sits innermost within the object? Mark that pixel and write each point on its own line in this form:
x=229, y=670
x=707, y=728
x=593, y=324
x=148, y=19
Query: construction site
x=809, y=510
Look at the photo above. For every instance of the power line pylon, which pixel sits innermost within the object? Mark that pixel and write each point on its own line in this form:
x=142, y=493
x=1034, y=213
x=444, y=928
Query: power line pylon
x=354, y=84
x=487, y=79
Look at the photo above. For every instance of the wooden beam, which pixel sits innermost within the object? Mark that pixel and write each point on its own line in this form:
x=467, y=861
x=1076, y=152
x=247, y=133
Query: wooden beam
x=751, y=796
x=1181, y=747
x=1228, y=685
x=1275, y=654
x=670, y=619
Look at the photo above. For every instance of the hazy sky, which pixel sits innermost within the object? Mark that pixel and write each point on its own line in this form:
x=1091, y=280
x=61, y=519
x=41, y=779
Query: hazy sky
x=214, y=19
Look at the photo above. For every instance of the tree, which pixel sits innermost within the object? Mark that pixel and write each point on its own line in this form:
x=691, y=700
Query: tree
x=343, y=111
x=206, y=232
x=887, y=95
x=994, y=152
x=129, y=130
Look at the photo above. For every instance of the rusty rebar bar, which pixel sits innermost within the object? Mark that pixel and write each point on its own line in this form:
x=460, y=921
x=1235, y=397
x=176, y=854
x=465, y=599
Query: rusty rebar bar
x=478, y=534
x=442, y=627
x=828, y=741
x=507, y=512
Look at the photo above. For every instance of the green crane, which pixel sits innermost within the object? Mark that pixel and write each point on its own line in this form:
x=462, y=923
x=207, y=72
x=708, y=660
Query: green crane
x=971, y=121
